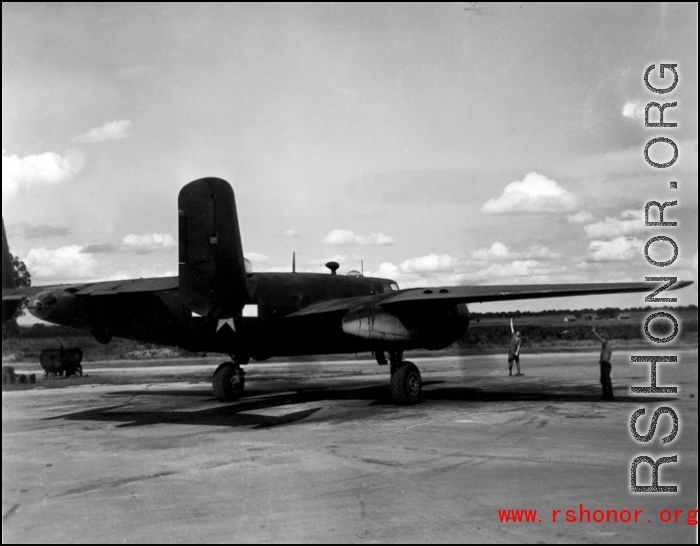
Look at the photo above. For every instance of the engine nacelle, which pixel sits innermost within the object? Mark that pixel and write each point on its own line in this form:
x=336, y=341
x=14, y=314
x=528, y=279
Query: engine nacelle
x=375, y=324
x=44, y=303
x=441, y=326
x=58, y=306
x=429, y=327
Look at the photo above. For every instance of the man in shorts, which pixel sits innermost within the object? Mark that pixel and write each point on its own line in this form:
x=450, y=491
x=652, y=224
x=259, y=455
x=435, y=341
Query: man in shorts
x=514, y=350
x=605, y=366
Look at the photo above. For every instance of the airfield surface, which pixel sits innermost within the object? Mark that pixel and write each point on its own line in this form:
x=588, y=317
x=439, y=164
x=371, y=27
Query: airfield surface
x=318, y=453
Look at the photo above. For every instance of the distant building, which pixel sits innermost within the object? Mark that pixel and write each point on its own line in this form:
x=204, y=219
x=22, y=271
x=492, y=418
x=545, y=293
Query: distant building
x=569, y=319
x=623, y=317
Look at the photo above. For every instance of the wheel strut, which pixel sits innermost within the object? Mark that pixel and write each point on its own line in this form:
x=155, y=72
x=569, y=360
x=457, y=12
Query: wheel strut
x=395, y=361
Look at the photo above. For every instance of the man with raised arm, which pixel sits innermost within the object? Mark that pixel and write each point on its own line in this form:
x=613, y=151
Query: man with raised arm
x=514, y=350
x=605, y=366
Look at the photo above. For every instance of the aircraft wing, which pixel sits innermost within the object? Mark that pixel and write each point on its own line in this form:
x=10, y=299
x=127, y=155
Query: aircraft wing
x=19, y=294
x=104, y=288
x=449, y=295
x=479, y=294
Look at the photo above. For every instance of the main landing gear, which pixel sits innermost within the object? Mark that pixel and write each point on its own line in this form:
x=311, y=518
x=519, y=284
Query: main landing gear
x=229, y=380
x=406, y=383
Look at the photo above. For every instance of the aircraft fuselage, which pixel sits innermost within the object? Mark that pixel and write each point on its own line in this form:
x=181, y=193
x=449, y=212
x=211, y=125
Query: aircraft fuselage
x=262, y=328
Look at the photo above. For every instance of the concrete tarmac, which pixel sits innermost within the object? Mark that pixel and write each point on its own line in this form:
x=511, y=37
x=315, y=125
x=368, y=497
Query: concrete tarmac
x=316, y=452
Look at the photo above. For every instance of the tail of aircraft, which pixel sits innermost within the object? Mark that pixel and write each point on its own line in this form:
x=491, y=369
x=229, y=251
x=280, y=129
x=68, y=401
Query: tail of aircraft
x=8, y=277
x=212, y=274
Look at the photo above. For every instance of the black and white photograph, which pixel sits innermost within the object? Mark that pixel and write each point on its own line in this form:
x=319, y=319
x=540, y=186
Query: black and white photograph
x=349, y=272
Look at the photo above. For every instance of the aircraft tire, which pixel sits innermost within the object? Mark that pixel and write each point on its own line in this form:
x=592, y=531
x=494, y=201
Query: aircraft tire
x=406, y=384
x=228, y=382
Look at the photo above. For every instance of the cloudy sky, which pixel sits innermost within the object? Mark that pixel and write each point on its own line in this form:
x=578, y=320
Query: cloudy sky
x=441, y=144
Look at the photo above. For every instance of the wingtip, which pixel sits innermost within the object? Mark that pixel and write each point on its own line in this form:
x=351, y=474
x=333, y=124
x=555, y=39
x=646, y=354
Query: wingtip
x=682, y=284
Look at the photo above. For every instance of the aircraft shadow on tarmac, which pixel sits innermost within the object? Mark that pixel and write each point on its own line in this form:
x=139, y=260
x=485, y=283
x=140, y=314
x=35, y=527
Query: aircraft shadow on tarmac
x=242, y=413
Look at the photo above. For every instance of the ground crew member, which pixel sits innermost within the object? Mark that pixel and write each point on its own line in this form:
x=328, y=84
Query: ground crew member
x=605, y=366
x=514, y=350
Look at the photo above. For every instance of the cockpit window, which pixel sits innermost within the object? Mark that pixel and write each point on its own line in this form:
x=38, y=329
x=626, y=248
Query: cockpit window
x=390, y=286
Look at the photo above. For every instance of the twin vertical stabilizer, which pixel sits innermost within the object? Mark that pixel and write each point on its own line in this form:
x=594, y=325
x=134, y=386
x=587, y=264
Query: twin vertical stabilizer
x=212, y=273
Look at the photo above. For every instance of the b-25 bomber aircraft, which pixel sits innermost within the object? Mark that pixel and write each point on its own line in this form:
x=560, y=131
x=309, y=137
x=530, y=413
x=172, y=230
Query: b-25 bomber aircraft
x=218, y=304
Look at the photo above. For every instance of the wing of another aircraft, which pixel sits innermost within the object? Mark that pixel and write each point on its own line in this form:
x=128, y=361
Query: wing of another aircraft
x=478, y=294
x=102, y=288
x=75, y=299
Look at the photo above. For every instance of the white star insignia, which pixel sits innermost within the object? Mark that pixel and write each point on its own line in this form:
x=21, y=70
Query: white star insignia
x=224, y=322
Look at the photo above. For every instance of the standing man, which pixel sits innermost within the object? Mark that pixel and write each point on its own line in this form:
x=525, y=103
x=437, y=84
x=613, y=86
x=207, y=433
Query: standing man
x=605, y=366
x=514, y=350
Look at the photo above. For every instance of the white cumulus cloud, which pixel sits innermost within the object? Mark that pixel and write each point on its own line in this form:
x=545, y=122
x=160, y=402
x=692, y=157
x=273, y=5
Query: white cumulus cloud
x=144, y=244
x=534, y=194
x=112, y=130
x=431, y=262
x=498, y=251
x=19, y=173
x=582, y=217
x=66, y=264
x=630, y=222
x=341, y=237
x=615, y=250
x=444, y=270
x=379, y=239
x=387, y=270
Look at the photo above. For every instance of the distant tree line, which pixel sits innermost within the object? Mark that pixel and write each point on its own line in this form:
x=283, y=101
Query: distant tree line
x=606, y=312
x=23, y=279
x=499, y=335
x=42, y=331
